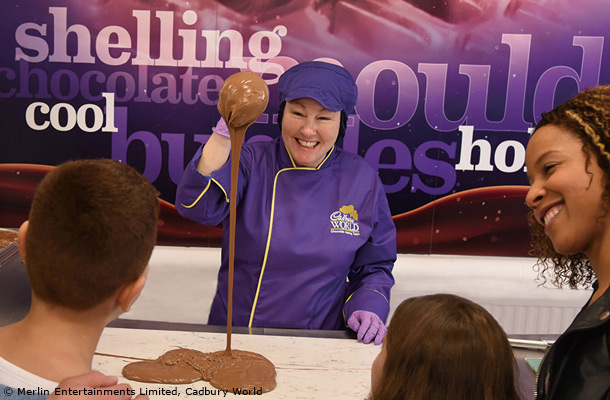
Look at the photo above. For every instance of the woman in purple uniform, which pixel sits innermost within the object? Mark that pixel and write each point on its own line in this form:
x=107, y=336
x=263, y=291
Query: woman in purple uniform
x=315, y=240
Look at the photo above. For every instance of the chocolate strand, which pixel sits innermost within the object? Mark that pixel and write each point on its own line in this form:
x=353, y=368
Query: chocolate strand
x=241, y=100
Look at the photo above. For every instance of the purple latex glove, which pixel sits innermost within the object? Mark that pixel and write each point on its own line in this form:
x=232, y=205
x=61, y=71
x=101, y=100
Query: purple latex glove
x=221, y=128
x=368, y=325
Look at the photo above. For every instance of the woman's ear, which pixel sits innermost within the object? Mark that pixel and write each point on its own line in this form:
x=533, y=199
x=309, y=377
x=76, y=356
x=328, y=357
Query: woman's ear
x=21, y=239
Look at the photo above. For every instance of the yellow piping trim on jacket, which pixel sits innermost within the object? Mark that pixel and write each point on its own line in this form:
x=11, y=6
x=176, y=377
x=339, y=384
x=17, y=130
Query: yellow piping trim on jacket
x=198, y=198
x=205, y=190
x=221, y=188
x=260, y=278
x=373, y=290
x=318, y=167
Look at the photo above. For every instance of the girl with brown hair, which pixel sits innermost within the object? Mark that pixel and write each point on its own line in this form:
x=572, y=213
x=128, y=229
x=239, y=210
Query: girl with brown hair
x=444, y=347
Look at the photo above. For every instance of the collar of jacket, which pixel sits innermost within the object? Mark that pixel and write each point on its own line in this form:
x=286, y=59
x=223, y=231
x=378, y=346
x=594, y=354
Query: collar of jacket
x=286, y=160
x=589, y=317
x=593, y=315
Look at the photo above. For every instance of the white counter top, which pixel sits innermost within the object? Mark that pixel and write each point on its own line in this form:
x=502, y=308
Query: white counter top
x=307, y=368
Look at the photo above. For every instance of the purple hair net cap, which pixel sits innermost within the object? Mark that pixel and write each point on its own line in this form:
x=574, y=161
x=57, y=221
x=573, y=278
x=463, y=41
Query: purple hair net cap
x=329, y=84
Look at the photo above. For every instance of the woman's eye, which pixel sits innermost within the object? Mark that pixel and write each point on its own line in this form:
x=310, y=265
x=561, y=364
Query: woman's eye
x=548, y=167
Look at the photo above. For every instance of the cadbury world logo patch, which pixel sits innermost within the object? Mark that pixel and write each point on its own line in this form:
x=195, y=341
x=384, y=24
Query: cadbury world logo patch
x=345, y=220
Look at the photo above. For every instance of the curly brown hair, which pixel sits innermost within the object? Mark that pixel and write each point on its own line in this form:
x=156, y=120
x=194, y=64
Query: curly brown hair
x=587, y=117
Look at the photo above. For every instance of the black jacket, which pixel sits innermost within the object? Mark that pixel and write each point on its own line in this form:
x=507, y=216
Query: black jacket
x=577, y=366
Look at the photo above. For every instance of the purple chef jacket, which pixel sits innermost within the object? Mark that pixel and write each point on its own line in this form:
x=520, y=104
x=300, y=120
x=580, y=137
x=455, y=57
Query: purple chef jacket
x=312, y=244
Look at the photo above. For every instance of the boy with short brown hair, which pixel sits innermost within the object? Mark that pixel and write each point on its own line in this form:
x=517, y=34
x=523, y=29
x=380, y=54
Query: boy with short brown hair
x=91, y=231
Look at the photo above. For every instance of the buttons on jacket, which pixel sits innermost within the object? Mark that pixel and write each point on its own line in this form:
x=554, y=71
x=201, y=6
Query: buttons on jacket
x=604, y=315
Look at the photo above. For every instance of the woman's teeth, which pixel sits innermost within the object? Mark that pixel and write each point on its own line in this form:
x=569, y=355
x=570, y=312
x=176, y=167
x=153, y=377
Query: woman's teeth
x=551, y=213
x=309, y=145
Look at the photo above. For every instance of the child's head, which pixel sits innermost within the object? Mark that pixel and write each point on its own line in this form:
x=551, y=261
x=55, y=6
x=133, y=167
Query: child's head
x=92, y=228
x=444, y=347
x=567, y=159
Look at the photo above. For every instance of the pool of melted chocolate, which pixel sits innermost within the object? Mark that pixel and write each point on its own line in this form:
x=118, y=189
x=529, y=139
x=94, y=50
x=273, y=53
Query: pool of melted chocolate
x=225, y=371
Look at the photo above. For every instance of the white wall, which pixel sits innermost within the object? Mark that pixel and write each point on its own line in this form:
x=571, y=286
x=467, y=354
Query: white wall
x=505, y=286
x=182, y=281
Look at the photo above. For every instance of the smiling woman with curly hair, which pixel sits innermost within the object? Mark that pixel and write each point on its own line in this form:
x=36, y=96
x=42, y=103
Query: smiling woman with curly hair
x=568, y=164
